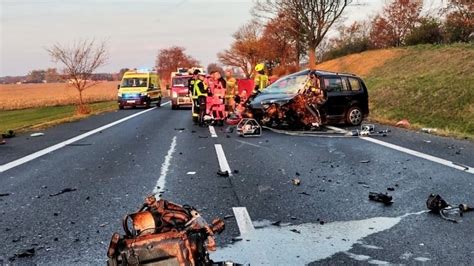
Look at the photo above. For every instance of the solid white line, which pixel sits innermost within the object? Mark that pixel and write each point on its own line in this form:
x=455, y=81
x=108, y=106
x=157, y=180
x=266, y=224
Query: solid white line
x=223, y=164
x=243, y=220
x=336, y=129
x=160, y=183
x=212, y=130
x=421, y=155
x=60, y=145
x=415, y=153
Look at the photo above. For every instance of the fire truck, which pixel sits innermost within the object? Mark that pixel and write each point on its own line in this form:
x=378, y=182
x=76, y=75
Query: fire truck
x=180, y=94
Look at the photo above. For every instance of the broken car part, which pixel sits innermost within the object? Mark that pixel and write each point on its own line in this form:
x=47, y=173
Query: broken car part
x=249, y=127
x=380, y=197
x=436, y=204
x=223, y=173
x=164, y=233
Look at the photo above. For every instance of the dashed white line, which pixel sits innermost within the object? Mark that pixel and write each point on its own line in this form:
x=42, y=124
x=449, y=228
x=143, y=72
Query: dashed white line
x=60, y=145
x=160, y=183
x=212, y=130
x=223, y=164
x=243, y=220
x=425, y=156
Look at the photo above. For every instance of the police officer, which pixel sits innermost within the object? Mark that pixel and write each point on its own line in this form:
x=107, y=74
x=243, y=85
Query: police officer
x=200, y=92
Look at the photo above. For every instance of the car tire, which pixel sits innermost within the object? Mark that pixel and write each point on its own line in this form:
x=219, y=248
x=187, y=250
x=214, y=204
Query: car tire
x=354, y=116
x=174, y=107
x=158, y=104
x=121, y=107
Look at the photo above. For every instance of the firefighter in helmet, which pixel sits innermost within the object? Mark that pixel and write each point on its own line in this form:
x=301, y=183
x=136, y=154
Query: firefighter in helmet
x=261, y=79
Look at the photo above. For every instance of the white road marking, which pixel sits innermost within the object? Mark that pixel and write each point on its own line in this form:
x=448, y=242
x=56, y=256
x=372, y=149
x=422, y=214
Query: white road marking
x=251, y=144
x=160, y=184
x=303, y=243
x=243, y=220
x=464, y=168
x=60, y=145
x=212, y=130
x=336, y=129
x=223, y=164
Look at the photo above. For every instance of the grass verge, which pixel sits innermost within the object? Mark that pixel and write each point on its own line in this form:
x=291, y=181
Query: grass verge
x=43, y=117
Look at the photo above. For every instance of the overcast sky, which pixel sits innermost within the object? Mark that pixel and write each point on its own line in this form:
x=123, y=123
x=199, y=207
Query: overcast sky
x=134, y=29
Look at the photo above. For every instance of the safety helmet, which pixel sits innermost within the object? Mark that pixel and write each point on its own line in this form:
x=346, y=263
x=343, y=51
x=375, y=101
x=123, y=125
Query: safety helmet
x=259, y=67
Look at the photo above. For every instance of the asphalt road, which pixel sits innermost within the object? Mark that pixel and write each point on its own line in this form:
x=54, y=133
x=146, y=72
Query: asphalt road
x=327, y=219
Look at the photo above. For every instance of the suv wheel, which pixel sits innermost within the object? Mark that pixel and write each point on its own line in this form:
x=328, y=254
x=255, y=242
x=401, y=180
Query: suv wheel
x=354, y=116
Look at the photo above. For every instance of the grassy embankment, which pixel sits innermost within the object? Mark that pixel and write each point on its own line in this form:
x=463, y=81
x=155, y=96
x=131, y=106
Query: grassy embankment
x=431, y=86
x=27, y=107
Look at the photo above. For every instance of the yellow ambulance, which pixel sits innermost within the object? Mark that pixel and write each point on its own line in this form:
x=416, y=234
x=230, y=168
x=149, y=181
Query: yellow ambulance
x=139, y=88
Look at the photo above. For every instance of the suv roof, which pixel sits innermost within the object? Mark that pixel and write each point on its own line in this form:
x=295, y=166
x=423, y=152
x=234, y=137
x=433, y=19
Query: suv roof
x=322, y=73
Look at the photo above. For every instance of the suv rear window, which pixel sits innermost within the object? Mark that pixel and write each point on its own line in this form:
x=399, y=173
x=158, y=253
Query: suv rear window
x=355, y=84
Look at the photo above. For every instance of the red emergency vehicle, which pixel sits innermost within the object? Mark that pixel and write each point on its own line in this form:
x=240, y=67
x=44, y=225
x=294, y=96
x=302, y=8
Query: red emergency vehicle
x=180, y=94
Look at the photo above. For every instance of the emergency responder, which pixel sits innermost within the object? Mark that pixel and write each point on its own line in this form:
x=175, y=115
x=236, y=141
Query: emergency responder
x=200, y=92
x=261, y=79
x=194, y=97
x=315, y=96
x=231, y=91
x=192, y=80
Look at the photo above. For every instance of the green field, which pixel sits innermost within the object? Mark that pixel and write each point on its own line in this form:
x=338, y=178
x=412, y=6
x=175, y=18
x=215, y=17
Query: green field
x=430, y=85
x=27, y=119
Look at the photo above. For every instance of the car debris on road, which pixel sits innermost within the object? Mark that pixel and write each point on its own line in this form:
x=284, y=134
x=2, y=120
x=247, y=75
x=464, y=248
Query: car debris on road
x=8, y=134
x=381, y=197
x=39, y=134
x=249, y=127
x=436, y=204
x=296, y=181
x=403, y=123
x=163, y=231
x=66, y=190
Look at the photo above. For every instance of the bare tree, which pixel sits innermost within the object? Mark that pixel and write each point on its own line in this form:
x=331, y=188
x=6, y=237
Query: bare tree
x=80, y=60
x=312, y=19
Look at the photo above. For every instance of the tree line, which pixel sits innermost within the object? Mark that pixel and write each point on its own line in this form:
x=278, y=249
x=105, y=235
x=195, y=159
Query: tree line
x=51, y=75
x=288, y=34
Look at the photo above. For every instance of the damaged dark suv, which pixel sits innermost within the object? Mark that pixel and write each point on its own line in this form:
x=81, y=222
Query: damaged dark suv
x=346, y=96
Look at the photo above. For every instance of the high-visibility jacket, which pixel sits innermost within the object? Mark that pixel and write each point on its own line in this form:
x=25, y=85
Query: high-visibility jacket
x=261, y=81
x=231, y=88
x=191, y=86
x=197, y=91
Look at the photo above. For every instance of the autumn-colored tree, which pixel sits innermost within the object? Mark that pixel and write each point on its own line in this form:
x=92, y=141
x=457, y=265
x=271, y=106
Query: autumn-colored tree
x=312, y=19
x=169, y=59
x=428, y=31
x=459, y=25
x=245, y=52
x=351, y=39
x=397, y=20
x=80, y=61
x=278, y=43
